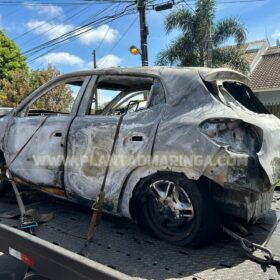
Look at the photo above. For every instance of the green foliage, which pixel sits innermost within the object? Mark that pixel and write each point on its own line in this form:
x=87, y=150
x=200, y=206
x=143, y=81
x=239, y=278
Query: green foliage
x=23, y=82
x=189, y=48
x=10, y=57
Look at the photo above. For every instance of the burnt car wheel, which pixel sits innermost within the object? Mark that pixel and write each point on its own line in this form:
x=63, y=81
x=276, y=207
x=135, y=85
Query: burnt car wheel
x=177, y=210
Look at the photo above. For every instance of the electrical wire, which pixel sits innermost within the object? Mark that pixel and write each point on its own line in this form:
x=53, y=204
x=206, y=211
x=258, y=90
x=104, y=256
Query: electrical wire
x=76, y=36
x=76, y=31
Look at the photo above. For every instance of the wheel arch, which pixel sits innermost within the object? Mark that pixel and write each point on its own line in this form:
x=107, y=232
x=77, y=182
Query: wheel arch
x=136, y=179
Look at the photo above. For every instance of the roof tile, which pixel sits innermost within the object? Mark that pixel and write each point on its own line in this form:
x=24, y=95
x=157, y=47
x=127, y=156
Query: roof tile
x=267, y=73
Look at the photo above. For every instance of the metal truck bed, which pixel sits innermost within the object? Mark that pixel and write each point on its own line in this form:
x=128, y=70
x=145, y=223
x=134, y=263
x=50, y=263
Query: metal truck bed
x=123, y=247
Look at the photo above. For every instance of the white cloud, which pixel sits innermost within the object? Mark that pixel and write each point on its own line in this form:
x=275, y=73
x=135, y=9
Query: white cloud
x=48, y=29
x=65, y=58
x=276, y=34
x=62, y=58
x=109, y=60
x=49, y=10
x=102, y=33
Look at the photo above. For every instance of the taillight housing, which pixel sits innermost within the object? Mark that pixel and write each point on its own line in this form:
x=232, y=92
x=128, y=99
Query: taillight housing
x=233, y=134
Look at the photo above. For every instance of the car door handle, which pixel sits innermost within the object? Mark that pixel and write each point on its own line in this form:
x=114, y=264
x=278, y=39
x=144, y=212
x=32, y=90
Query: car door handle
x=137, y=138
x=57, y=134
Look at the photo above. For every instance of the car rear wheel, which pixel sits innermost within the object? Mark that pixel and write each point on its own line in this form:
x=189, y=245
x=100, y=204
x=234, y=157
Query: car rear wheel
x=177, y=210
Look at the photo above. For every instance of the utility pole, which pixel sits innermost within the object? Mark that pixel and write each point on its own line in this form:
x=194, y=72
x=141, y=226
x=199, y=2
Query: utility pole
x=95, y=94
x=141, y=6
x=209, y=60
x=94, y=59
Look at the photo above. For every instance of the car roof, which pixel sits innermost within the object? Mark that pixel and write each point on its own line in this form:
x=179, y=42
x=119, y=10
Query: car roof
x=207, y=74
x=179, y=82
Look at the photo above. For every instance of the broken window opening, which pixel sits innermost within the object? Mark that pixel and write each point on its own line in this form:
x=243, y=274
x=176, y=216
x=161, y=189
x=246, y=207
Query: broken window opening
x=115, y=95
x=244, y=95
x=237, y=94
x=58, y=100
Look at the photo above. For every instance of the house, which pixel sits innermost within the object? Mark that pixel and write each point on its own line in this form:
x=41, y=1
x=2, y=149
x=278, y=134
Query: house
x=265, y=79
x=264, y=72
x=253, y=51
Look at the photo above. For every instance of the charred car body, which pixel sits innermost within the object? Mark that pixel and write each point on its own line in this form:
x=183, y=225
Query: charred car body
x=192, y=143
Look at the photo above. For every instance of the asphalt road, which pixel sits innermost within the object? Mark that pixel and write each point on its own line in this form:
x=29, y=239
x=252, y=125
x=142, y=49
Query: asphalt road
x=11, y=268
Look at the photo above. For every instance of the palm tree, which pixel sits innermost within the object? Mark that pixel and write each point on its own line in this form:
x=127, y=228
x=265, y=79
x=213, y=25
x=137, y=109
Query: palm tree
x=190, y=48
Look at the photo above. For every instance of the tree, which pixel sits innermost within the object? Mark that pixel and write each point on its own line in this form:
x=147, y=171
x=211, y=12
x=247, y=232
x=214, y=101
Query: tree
x=189, y=48
x=10, y=57
x=23, y=82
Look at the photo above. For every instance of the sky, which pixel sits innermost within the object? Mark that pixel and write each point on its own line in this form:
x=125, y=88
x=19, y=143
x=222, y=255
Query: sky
x=31, y=25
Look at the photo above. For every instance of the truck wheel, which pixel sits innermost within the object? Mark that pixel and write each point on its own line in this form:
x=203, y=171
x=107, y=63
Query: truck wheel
x=177, y=210
x=4, y=187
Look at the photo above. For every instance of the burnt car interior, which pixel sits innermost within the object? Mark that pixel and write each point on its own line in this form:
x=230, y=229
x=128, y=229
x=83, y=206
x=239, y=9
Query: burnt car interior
x=131, y=94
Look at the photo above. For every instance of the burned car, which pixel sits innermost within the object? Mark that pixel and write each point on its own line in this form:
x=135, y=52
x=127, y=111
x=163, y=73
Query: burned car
x=192, y=144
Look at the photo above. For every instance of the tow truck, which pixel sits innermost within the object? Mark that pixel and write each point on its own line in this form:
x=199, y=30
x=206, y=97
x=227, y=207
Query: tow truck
x=121, y=250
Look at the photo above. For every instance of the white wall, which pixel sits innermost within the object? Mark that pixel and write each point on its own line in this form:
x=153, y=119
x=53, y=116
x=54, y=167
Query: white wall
x=269, y=97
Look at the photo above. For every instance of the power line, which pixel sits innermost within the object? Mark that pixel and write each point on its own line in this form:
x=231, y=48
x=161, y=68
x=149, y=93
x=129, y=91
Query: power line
x=37, y=27
x=102, y=2
x=56, y=26
x=105, y=35
x=76, y=31
x=76, y=35
x=123, y=35
x=126, y=31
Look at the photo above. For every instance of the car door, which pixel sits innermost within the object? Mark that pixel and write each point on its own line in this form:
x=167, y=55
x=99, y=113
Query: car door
x=91, y=139
x=36, y=136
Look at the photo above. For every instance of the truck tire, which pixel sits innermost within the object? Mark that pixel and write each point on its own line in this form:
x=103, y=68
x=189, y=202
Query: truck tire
x=177, y=210
x=4, y=187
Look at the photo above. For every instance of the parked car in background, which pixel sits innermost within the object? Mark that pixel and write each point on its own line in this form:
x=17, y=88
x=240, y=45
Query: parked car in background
x=193, y=143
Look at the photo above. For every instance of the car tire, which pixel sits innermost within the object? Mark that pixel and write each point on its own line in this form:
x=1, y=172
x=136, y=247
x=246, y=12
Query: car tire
x=5, y=187
x=186, y=216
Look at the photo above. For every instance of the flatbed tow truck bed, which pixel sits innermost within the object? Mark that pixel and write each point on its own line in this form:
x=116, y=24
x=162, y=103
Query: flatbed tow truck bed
x=121, y=250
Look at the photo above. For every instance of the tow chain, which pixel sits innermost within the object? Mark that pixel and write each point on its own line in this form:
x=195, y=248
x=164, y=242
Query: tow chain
x=250, y=249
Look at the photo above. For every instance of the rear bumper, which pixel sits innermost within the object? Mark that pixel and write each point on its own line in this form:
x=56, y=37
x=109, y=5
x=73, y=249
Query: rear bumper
x=244, y=189
x=244, y=205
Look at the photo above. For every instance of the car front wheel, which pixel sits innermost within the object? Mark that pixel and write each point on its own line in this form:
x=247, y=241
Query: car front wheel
x=177, y=210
